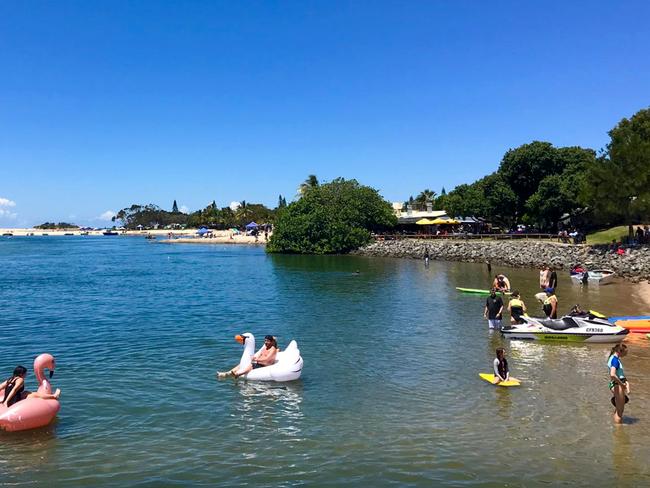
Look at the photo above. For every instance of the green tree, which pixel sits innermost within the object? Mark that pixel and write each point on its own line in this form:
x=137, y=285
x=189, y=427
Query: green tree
x=525, y=167
x=174, y=207
x=310, y=183
x=334, y=217
x=281, y=202
x=466, y=200
x=499, y=200
x=425, y=196
x=617, y=185
x=560, y=194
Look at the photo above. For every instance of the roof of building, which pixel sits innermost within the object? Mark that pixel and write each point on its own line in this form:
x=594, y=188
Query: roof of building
x=415, y=215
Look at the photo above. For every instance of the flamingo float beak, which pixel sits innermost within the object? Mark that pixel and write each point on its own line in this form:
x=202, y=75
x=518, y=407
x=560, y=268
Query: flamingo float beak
x=240, y=338
x=51, y=373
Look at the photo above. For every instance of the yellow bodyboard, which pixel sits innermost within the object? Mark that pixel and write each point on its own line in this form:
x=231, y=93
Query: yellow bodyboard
x=490, y=378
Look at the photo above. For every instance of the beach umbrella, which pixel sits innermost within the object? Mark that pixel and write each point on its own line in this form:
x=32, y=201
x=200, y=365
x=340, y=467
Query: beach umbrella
x=202, y=230
x=440, y=221
x=425, y=222
x=251, y=225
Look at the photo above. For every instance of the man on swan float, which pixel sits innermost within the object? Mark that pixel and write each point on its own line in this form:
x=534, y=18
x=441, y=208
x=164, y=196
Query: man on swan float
x=264, y=357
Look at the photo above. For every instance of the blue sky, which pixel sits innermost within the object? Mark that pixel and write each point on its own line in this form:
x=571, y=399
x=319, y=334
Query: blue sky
x=108, y=103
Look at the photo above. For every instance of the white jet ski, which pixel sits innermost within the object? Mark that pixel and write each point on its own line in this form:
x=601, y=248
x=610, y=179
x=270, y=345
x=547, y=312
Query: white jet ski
x=575, y=327
x=287, y=366
x=595, y=277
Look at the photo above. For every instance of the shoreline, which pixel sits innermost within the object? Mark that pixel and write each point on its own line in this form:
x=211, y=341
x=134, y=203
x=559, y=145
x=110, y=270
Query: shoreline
x=183, y=236
x=632, y=268
x=634, y=265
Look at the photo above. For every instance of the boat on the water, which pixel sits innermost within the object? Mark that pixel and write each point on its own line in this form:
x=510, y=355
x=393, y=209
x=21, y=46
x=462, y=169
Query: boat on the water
x=576, y=327
x=110, y=233
x=596, y=277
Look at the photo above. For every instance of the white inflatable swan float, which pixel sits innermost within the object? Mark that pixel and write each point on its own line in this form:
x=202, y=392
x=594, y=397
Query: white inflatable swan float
x=287, y=366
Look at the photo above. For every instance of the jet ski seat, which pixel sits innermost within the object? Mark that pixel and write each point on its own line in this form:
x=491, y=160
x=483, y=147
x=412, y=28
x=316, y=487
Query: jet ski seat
x=559, y=324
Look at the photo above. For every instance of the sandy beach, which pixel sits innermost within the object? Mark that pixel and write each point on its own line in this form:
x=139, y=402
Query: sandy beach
x=217, y=237
x=183, y=236
x=642, y=291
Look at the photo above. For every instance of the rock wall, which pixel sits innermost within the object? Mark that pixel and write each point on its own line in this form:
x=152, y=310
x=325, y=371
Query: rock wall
x=634, y=265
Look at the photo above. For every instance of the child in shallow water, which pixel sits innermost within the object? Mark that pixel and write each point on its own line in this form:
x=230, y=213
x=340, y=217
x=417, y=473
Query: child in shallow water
x=501, y=371
x=618, y=383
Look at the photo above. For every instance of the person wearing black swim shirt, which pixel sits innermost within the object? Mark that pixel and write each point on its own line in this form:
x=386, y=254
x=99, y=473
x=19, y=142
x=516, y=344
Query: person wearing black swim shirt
x=552, y=280
x=493, y=310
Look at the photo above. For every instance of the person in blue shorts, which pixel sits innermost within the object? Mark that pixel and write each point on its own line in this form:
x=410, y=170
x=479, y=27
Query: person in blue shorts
x=618, y=383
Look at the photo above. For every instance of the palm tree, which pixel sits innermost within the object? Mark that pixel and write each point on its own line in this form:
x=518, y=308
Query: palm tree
x=308, y=184
x=425, y=196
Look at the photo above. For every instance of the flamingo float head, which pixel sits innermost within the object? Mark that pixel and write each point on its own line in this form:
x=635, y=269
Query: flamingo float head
x=41, y=363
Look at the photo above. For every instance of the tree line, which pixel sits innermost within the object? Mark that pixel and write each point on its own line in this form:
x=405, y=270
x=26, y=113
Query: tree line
x=150, y=216
x=538, y=184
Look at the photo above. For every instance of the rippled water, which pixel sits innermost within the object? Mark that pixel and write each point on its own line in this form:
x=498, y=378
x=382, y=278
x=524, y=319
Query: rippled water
x=389, y=396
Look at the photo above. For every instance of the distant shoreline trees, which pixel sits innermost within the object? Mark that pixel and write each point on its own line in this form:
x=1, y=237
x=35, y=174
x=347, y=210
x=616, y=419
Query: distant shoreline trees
x=60, y=225
x=152, y=216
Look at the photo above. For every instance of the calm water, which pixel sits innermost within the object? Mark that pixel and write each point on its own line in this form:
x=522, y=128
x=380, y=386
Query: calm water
x=389, y=396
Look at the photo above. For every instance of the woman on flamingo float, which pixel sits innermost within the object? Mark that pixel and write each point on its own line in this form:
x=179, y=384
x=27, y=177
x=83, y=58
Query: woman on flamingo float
x=14, y=389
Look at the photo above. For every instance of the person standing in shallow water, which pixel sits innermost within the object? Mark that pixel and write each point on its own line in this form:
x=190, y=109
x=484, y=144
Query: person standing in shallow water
x=517, y=308
x=552, y=278
x=544, y=277
x=493, y=311
x=550, y=304
x=618, y=383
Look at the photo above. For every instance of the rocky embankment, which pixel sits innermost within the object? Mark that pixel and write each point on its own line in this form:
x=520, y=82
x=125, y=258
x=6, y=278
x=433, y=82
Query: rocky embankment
x=634, y=265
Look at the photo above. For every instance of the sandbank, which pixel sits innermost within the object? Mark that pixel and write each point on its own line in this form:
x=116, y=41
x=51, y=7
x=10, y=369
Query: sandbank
x=167, y=236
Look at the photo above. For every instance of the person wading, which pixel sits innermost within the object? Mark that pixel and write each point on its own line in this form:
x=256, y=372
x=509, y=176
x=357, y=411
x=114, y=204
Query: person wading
x=493, y=311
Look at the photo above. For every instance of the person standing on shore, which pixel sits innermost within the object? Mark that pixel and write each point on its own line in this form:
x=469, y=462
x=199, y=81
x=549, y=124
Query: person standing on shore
x=618, y=383
x=493, y=311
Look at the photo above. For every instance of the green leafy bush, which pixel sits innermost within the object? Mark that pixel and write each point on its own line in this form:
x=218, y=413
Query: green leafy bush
x=334, y=217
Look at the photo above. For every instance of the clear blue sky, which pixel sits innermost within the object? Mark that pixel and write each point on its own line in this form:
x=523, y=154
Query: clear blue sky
x=108, y=103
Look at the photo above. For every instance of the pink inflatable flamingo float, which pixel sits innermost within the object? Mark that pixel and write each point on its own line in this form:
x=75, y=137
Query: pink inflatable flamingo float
x=32, y=412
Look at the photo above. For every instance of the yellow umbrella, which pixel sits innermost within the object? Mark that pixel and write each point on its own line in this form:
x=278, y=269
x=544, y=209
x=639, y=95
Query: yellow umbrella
x=440, y=221
x=425, y=222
